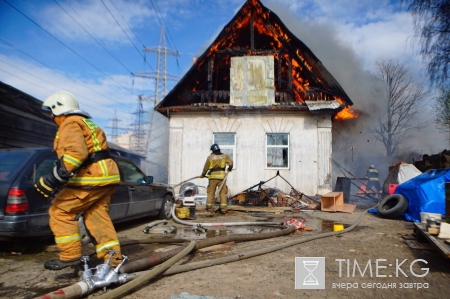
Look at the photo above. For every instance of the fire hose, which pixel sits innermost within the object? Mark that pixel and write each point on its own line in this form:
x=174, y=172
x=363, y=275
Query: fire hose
x=266, y=250
x=76, y=290
x=106, y=276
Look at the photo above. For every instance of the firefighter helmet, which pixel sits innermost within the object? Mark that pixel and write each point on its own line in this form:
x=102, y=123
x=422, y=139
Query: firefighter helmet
x=63, y=103
x=215, y=147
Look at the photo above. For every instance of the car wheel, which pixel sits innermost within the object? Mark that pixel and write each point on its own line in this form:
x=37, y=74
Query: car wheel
x=166, y=208
x=392, y=206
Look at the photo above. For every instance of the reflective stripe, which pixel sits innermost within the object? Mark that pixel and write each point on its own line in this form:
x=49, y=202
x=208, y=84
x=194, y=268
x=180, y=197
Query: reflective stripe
x=67, y=239
x=103, y=167
x=221, y=174
x=95, y=180
x=96, y=144
x=41, y=180
x=107, y=245
x=72, y=160
x=92, y=126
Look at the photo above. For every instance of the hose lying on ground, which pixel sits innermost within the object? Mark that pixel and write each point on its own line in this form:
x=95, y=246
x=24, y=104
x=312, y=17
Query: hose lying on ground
x=81, y=288
x=209, y=224
x=116, y=293
x=160, y=257
x=241, y=256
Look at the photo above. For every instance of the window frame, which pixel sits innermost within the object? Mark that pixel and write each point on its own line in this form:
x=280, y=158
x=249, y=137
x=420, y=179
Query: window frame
x=287, y=146
x=227, y=146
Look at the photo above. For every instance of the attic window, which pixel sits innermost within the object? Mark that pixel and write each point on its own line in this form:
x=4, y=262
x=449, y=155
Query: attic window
x=227, y=144
x=277, y=149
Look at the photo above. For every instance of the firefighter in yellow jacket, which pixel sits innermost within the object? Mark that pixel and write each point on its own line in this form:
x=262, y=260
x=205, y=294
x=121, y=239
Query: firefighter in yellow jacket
x=215, y=165
x=88, y=178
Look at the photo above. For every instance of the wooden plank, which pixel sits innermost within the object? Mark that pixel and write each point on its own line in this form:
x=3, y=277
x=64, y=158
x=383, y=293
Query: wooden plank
x=414, y=244
x=439, y=244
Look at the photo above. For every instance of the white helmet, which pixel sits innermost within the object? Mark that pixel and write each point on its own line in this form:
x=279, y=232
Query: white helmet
x=63, y=102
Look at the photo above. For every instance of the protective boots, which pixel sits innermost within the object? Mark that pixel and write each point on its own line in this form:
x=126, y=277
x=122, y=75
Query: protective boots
x=58, y=264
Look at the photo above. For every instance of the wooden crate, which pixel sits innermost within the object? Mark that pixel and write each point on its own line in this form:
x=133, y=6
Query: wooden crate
x=334, y=202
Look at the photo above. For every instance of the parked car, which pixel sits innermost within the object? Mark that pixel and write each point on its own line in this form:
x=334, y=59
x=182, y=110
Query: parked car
x=24, y=212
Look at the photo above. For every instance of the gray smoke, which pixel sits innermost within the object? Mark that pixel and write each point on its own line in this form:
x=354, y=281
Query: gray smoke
x=354, y=146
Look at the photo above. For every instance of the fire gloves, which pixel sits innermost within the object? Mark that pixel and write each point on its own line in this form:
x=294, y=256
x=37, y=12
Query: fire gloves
x=47, y=184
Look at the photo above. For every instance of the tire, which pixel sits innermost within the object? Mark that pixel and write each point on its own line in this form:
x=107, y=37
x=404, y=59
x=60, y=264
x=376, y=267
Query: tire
x=392, y=206
x=166, y=208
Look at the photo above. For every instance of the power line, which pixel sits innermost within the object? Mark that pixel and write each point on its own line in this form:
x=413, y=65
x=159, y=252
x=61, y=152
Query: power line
x=70, y=49
x=44, y=81
x=118, y=11
x=124, y=33
x=43, y=87
x=42, y=63
x=94, y=38
x=162, y=23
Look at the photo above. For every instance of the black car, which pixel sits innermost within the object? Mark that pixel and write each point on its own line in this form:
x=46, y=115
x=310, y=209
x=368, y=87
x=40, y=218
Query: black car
x=24, y=212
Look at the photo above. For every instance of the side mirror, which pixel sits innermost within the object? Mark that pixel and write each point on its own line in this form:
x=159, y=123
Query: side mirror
x=149, y=179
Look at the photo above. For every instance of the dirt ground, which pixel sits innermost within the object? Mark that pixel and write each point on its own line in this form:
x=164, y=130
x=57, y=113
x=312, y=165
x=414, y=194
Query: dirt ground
x=376, y=244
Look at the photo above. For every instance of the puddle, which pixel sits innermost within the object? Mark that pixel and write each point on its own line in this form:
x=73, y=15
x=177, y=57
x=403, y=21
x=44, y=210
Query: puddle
x=317, y=226
x=190, y=234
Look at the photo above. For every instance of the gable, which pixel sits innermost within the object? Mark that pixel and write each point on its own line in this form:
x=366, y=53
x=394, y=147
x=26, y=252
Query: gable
x=300, y=81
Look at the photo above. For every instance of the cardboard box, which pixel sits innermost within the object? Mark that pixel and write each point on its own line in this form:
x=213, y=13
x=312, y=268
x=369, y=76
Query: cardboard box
x=334, y=202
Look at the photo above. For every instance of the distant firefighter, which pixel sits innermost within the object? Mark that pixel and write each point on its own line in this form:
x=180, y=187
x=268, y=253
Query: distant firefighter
x=374, y=180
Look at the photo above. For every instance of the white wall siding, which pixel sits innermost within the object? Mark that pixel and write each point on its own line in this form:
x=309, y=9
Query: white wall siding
x=192, y=135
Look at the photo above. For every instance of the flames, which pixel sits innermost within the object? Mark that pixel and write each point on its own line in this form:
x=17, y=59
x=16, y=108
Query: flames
x=346, y=113
x=296, y=76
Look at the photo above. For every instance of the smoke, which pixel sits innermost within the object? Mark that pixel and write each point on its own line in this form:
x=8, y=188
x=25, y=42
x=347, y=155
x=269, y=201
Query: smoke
x=354, y=146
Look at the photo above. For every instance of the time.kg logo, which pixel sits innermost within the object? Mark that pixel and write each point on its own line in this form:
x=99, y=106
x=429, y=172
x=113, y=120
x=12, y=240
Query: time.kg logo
x=310, y=273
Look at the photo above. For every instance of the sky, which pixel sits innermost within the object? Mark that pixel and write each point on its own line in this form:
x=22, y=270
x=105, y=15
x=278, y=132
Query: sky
x=94, y=48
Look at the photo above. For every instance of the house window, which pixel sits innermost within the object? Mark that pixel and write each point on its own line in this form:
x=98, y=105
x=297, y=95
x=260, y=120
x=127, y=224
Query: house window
x=277, y=148
x=227, y=144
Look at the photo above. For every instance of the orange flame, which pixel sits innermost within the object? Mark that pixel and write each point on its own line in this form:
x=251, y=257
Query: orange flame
x=346, y=113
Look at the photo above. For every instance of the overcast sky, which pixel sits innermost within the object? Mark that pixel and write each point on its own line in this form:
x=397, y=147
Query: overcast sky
x=93, y=48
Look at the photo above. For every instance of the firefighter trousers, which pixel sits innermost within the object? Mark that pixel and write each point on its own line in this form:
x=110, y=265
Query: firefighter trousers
x=211, y=190
x=64, y=225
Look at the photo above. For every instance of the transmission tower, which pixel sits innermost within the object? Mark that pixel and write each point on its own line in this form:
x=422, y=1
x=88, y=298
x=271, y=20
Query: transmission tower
x=161, y=76
x=139, y=134
x=115, y=127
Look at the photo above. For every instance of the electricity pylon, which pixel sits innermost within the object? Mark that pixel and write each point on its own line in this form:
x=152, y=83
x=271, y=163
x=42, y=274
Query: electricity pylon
x=139, y=134
x=161, y=76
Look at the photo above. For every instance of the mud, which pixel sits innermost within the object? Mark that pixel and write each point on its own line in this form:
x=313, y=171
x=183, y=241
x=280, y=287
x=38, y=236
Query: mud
x=271, y=275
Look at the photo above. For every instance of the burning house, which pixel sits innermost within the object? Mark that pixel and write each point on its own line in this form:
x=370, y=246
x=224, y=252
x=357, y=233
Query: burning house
x=265, y=98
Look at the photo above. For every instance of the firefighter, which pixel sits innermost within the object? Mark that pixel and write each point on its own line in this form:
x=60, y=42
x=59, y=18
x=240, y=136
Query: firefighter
x=86, y=178
x=373, y=179
x=215, y=167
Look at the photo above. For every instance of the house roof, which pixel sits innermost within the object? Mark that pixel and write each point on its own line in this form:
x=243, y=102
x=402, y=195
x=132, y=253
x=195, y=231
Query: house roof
x=301, y=81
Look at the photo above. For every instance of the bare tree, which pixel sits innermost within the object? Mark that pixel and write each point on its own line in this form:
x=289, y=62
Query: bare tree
x=442, y=107
x=402, y=100
x=432, y=27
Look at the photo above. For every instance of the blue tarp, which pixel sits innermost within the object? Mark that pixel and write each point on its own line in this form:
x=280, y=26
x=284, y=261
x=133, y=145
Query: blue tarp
x=425, y=193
